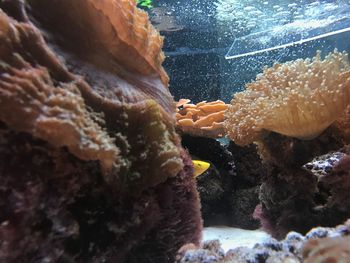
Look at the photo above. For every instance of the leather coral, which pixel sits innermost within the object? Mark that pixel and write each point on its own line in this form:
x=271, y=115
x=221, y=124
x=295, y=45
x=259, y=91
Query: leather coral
x=92, y=169
x=204, y=119
x=300, y=99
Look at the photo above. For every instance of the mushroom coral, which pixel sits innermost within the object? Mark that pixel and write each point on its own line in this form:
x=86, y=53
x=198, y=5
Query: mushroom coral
x=92, y=170
x=202, y=119
x=300, y=99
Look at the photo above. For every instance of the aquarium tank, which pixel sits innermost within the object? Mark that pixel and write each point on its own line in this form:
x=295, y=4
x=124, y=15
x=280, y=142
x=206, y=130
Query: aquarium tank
x=174, y=131
x=213, y=48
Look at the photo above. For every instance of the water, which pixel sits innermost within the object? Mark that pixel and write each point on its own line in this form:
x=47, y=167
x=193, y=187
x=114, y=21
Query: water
x=267, y=26
x=214, y=48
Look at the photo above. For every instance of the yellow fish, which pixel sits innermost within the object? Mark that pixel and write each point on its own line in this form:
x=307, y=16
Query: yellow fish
x=200, y=167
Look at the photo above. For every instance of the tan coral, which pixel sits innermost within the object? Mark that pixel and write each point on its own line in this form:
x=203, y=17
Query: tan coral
x=201, y=119
x=131, y=25
x=117, y=38
x=87, y=137
x=119, y=69
x=336, y=249
x=29, y=101
x=299, y=99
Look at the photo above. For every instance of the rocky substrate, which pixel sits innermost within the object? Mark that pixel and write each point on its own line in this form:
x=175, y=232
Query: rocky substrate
x=229, y=189
x=318, y=245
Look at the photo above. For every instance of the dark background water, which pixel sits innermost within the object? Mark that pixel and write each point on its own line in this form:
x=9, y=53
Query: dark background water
x=196, y=43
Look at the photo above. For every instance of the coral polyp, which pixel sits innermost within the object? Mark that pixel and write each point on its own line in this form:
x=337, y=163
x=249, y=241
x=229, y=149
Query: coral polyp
x=300, y=99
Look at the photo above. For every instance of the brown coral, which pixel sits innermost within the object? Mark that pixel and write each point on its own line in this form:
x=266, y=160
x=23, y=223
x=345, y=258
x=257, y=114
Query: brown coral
x=201, y=119
x=299, y=99
x=93, y=169
x=327, y=250
x=57, y=115
x=52, y=103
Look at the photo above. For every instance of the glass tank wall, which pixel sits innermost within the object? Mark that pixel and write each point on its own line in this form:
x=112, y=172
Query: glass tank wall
x=214, y=48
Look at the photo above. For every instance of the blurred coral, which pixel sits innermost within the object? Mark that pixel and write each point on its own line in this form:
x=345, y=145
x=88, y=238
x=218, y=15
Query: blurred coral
x=327, y=244
x=335, y=250
x=202, y=119
x=93, y=169
x=300, y=99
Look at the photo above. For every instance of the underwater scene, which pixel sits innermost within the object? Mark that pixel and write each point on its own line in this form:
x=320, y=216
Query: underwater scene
x=174, y=131
x=216, y=47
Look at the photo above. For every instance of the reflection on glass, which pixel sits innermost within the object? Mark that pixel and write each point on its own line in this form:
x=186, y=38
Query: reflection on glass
x=260, y=26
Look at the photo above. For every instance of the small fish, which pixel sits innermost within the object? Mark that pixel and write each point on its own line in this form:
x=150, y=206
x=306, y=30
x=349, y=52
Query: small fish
x=200, y=167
